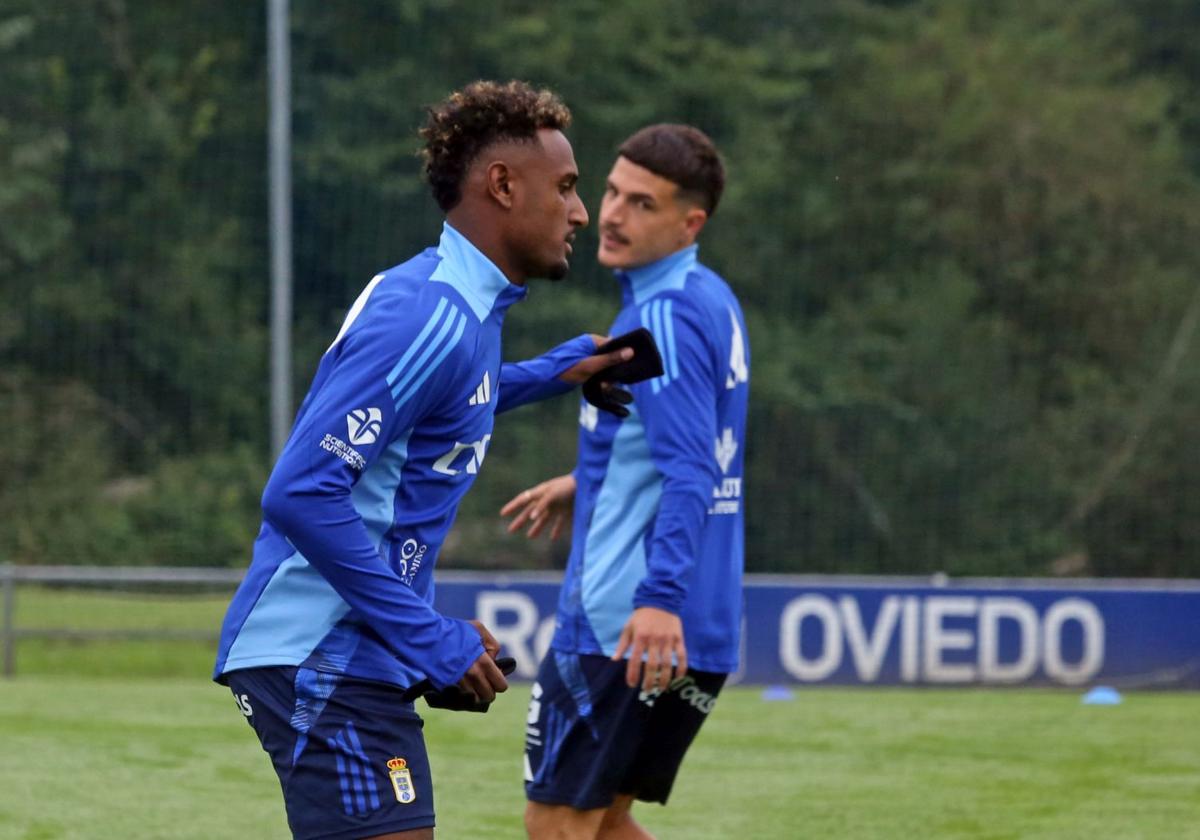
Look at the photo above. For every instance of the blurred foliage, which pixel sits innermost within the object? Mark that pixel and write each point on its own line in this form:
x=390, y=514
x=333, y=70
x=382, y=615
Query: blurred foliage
x=963, y=234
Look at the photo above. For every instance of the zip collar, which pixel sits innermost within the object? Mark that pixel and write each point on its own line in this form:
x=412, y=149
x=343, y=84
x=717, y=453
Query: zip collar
x=670, y=272
x=480, y=282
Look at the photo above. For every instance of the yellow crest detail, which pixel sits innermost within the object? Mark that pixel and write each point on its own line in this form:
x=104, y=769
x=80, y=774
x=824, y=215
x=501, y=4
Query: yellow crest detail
x=402, y=784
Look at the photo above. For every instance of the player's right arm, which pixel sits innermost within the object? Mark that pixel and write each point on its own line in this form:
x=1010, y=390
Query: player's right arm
x=678, y=411
x=374, y=385
x=555, y=372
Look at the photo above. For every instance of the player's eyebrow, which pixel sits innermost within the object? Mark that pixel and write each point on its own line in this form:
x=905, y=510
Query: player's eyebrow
x=630, y=196
x=640, y=196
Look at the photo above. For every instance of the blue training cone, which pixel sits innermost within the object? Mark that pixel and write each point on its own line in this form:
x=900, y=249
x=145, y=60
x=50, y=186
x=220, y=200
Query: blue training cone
x=777, y=692
x=1102, y=695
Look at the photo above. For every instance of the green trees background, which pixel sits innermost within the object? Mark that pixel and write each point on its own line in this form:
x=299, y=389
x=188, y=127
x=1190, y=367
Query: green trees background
x=964, y=233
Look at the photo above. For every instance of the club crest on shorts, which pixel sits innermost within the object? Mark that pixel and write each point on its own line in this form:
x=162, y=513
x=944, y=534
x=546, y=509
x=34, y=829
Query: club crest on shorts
x=402, y=783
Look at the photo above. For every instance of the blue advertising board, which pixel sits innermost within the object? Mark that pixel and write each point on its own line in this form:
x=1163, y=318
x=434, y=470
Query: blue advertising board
x=901, y=631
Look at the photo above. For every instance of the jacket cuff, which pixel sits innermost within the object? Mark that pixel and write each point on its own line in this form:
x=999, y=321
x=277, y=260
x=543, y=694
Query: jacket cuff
x=448, y=672
x=671, y=604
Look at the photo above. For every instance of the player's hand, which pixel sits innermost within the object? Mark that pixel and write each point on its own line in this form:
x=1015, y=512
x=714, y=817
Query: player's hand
x=489, y=641
x=583, y=370
x=657, y=654
x=483, y=679
x=551, y=502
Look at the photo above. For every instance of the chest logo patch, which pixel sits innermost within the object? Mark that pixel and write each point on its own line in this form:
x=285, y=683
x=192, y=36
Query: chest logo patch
x=364, y=425
x=483, y=394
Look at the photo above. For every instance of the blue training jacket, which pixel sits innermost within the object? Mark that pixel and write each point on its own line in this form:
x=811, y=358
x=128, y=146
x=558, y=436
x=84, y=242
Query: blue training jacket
x=390, y=436
x=658, y=503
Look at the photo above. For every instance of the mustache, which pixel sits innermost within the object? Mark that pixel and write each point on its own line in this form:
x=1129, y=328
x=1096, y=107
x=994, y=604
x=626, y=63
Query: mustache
x=608, y=231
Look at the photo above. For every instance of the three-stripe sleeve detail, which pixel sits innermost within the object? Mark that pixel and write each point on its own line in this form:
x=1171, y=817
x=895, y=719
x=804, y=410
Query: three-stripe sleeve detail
x=657, y=317
x=669, y=324
x=433, y=344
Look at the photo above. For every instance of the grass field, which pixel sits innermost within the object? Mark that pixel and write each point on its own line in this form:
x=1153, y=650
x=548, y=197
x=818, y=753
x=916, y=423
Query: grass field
x=163, y=753
x=172, y=758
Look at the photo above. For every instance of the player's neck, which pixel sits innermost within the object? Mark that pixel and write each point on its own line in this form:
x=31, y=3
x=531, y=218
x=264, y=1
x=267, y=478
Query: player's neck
x=487, y=236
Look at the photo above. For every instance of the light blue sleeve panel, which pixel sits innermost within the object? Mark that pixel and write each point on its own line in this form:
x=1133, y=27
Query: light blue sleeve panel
x=537, y=379
x=372, y=387
x=679, y=413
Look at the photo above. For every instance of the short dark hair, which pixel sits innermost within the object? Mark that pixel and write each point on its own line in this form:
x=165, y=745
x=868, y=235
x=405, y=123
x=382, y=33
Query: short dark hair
x=682, y=154
x=471, y=119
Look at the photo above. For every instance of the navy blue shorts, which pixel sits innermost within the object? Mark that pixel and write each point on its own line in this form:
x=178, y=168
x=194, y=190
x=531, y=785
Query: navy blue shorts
x=589, y=736
x=349, y=753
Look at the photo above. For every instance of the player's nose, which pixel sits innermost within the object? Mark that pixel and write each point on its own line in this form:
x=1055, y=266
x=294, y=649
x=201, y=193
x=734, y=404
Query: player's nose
x=577, y=215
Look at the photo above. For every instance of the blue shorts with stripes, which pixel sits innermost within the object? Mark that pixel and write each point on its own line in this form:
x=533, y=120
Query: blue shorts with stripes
x=349, y=753
x=590, y=737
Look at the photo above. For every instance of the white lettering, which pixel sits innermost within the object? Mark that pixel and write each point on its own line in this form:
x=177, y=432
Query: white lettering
x=908, y=639
x=478, y=453
x=691, y=693
x=515, y=633
x=338, y=447
x=731, y=488
x=535, y=705
x=790, y=649
x=412, y=555
x=480, y=447
x=943, y=639
x=868, y=652
x=1091, y=623
x=991, y=612
x=939, y=639
x=442, y=464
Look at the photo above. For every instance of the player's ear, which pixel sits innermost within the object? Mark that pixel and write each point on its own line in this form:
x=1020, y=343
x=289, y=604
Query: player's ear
x=500, y=183
x=693, y=221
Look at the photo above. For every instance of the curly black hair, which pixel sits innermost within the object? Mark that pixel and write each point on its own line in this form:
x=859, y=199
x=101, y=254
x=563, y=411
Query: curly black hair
x=477, y=116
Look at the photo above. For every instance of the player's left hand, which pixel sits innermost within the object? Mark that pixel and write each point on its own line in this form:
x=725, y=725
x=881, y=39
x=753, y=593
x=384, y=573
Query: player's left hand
x=657, y=654
x=584, y=369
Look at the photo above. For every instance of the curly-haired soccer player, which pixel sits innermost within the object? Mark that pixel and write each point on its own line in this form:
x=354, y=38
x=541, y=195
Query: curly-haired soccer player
x=334, y=619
